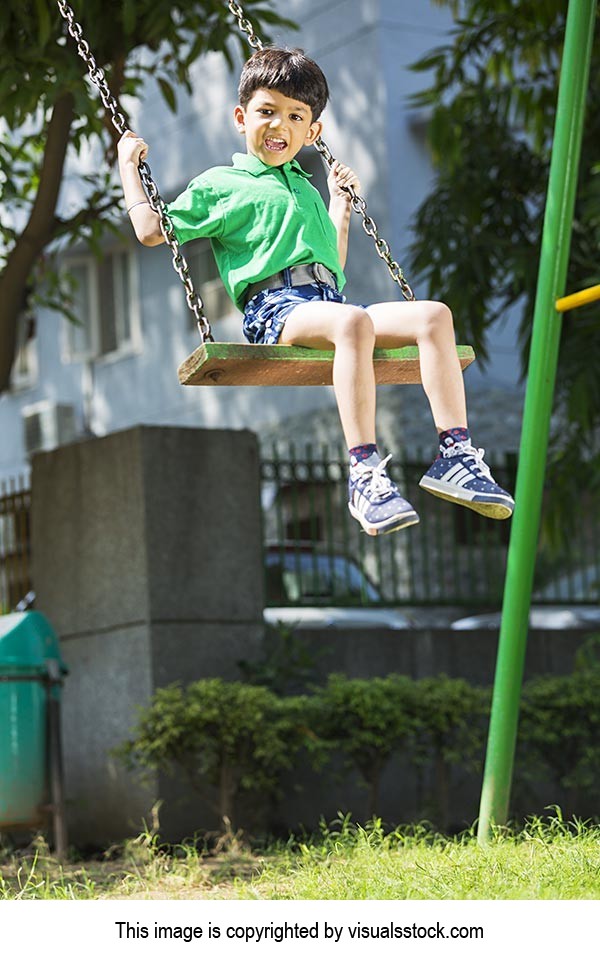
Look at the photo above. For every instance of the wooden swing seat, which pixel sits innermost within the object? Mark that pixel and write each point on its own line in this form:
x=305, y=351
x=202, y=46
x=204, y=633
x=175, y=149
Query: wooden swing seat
x=279, y=365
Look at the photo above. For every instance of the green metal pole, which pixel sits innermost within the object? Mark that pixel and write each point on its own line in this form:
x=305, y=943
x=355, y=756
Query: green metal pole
x=554, y=256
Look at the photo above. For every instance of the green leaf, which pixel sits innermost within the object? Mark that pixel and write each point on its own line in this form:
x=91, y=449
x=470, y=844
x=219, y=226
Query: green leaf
x=168, y=93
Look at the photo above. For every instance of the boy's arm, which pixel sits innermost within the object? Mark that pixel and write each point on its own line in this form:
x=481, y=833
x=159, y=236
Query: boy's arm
x=145, y=221
x=340, y=207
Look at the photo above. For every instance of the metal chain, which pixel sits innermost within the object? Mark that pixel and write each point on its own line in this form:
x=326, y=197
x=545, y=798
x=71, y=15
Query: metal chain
x=97, y=76
x=359, y=204
x=245, y=25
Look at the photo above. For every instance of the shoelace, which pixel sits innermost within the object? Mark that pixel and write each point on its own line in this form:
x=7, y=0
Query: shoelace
x=473, y=454
x=378, y=486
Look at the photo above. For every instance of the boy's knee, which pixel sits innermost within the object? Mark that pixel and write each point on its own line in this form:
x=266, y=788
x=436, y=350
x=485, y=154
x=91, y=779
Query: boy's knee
x=355, y=325
x=437, y=319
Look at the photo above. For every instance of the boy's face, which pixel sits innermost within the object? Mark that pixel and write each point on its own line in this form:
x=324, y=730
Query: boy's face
x=275, y=126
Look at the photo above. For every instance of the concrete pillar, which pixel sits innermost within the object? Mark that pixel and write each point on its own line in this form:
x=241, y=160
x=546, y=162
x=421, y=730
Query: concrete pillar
x=148, y=563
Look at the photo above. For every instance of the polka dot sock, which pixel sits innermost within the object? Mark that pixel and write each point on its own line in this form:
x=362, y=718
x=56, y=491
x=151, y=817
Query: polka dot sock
x=453, y=436
x=363, y=452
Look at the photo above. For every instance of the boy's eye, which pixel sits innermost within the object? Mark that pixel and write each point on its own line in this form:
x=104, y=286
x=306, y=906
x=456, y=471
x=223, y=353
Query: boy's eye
x=265, y=110
x=296, y=117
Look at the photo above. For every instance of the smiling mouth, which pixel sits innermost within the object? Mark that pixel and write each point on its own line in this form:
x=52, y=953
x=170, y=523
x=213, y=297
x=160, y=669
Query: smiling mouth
x=274, y=143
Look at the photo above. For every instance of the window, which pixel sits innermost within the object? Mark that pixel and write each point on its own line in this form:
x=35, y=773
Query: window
x=80, y=327
x=104, y=306
x=115, y=302
x=25, y=367
x=207, y=282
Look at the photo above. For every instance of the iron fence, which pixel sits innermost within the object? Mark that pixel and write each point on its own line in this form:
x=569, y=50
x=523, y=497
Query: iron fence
x=454, y=557
x=15, y=542
x=316, y=554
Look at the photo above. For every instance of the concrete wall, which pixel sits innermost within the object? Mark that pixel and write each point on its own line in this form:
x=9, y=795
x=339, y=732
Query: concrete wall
x=420, y=653
x=147, y=562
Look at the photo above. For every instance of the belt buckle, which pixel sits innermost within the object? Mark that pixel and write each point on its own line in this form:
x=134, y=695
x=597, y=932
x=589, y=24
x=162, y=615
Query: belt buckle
x=321, y=274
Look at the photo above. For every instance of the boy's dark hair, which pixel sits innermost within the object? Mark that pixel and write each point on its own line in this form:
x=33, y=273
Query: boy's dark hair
x=290, y=71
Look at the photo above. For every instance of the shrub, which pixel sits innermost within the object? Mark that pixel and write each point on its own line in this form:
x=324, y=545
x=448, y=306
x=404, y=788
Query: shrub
x=368, y=720
x=559, y=733
x=233, y=737
x=448, y=732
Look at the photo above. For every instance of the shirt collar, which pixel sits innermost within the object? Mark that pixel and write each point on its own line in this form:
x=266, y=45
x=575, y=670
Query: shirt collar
x=256, y=167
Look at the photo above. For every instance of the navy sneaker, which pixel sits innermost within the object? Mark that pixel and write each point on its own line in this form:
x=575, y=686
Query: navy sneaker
x=461, y=475
x=375, y=501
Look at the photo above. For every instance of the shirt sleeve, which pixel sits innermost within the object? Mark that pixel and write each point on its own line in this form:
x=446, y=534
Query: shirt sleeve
x=197, y=212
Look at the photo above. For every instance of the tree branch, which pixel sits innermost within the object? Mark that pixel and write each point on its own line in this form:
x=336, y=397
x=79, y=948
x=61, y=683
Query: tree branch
x=37, y=234
x=83, y=217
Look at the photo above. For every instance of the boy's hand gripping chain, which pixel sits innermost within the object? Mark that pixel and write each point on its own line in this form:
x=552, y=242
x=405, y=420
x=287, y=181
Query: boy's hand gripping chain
x=359, y=204
x=97, y=76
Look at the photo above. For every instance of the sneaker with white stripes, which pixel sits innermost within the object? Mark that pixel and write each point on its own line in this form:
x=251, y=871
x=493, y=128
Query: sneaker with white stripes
x=374, y=500
x=461, y=475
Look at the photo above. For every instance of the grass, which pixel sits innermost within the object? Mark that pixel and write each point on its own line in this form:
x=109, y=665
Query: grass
x=548, y=859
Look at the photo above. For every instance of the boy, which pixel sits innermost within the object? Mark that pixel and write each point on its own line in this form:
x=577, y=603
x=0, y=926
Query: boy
x=281, y=256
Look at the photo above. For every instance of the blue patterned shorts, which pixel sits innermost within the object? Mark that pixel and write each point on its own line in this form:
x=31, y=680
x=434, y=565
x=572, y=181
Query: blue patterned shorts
x=266, y=312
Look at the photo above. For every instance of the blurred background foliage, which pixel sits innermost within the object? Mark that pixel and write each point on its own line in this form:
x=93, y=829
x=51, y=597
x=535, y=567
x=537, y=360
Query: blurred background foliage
x=491, y=104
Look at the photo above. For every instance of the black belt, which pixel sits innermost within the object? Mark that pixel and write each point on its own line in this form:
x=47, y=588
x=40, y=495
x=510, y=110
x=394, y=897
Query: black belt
x=296, y=276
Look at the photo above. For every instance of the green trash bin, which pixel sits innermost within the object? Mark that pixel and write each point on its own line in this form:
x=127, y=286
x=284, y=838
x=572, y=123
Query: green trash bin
x=31, y=671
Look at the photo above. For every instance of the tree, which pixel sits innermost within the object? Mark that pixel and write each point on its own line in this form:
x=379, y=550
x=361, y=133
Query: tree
x=478, y=232
x=46, y=107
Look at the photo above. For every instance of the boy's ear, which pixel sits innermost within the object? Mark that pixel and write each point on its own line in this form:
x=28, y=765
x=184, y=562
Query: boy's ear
x=239, y=118
x=313, y=132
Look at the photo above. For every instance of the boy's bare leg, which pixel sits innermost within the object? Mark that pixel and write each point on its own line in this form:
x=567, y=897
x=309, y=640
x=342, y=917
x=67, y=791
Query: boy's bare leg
x=429, y=325
x=459, y=473
x=353, y=332
x=373, y=499
x=350, y=331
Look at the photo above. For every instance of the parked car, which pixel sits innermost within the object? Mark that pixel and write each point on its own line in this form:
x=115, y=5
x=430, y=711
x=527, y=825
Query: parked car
x=553, y=617
x=578, y=586
x=310, y=587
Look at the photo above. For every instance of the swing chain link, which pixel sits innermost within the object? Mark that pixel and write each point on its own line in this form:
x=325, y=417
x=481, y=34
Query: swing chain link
x=98, y=78
x=359, y=204
x=245, y=25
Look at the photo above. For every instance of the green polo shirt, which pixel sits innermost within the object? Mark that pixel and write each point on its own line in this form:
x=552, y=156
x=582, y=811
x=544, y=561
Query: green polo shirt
x=259, y=219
